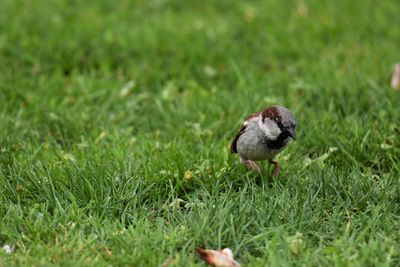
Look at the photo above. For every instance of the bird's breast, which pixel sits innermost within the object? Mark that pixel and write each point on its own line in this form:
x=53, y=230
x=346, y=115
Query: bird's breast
x=252, y=145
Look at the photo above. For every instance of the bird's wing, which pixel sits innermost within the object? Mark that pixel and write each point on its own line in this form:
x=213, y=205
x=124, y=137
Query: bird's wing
x=242, y=130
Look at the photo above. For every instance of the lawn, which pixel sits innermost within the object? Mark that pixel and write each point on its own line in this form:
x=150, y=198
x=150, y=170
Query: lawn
x=116, y=120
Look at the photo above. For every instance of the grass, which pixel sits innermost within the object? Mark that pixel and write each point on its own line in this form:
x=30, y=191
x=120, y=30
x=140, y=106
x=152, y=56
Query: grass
x=116, y=120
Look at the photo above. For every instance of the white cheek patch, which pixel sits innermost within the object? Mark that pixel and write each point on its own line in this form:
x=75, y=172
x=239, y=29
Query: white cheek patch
x=270, y=128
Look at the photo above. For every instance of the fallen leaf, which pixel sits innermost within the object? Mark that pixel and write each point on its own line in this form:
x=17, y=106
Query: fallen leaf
x=218, y=258
x=395, y=83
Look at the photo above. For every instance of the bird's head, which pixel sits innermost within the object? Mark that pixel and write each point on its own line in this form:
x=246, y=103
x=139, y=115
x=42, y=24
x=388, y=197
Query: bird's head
x=278, y=122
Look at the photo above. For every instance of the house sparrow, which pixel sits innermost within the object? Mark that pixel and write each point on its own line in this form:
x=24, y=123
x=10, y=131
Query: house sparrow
x=263, y=135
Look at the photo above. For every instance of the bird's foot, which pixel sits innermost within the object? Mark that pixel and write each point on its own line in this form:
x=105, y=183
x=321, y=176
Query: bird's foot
x=277, y=168
x=252, y=166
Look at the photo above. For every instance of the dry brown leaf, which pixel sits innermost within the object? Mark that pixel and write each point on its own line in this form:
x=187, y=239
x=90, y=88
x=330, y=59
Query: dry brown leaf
x=218, y=258
x=395, y=83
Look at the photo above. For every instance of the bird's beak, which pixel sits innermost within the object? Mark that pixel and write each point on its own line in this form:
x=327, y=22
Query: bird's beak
x=291, y=133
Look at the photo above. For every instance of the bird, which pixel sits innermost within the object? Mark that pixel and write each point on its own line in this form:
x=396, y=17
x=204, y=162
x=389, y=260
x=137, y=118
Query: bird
x=263, y=135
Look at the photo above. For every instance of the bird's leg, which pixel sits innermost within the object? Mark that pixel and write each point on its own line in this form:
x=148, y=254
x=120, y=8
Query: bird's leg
x=251, y=165
x=277, y=168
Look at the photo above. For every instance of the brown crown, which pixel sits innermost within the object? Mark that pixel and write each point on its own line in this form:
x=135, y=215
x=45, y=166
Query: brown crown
x=271, y=113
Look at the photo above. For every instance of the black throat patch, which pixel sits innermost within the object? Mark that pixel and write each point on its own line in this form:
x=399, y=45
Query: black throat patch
x=279, y=143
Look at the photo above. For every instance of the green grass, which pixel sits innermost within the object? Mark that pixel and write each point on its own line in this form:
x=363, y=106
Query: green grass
x=116, y=119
